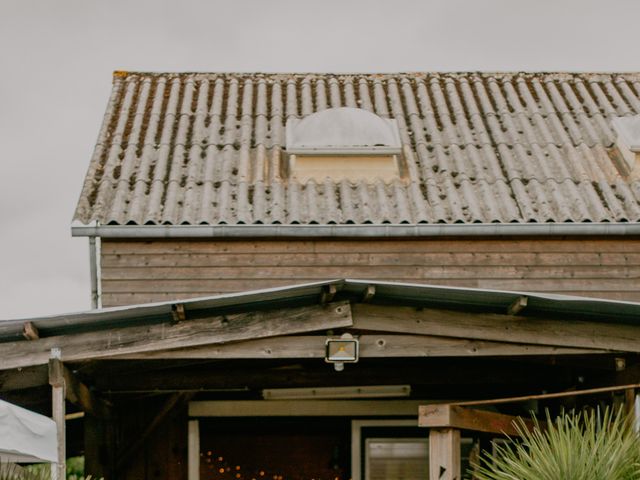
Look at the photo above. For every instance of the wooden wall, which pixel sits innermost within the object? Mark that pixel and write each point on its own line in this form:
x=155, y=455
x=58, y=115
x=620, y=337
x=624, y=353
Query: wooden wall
x=145, y=271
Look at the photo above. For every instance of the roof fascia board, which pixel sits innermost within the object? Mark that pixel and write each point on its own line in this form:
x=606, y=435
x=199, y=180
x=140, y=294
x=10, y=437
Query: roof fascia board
x=365, y=231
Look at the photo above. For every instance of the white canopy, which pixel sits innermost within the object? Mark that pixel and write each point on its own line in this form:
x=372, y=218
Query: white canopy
x=26, y=436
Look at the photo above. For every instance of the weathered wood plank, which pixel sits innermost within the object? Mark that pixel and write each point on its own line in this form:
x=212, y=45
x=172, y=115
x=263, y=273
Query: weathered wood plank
x=378, y=259
x=411, y=272
x=139, y=271
x=464, y=418
x=203, y=286
x=214, y=330
x=501, y=245
x=371, y=346
x=493, y=327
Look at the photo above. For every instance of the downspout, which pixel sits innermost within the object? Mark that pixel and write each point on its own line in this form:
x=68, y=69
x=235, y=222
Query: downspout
x=94, y=271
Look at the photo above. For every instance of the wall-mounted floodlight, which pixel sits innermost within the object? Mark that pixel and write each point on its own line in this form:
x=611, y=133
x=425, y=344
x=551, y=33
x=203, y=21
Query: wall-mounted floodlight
x=341, y=350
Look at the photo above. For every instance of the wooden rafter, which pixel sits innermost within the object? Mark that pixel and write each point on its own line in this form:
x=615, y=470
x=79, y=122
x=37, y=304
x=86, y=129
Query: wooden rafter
x=30, y=331
x=518, y=305
x=178, y=312
x=328, y=292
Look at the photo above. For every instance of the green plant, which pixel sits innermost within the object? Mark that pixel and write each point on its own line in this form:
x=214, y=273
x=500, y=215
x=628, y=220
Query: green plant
x=11, y=471
x=575, y=446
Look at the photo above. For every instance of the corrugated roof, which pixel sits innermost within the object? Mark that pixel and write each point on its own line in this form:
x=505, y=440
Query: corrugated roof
x=479, y=148
x=386, y=293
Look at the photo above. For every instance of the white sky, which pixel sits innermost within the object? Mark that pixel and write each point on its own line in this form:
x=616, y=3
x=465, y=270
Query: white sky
x=56, y=59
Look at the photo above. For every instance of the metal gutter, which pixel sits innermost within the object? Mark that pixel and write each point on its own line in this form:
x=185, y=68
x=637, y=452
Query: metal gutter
x=366, y=231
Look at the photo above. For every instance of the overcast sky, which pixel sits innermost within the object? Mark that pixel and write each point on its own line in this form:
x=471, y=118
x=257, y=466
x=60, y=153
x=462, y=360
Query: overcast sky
x=56, y=59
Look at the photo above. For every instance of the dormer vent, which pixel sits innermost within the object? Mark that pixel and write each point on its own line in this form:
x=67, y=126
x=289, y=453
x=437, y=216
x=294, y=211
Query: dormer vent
x=627, y=131
x=343, y=143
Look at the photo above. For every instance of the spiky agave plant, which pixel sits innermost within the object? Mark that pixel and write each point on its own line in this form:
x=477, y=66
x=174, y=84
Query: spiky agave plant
x=575, y=446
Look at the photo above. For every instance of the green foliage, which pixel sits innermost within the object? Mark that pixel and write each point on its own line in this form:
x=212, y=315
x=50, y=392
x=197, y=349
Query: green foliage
x=583, y=446
x=75, y=468
x=75, y=471
x=10, y=471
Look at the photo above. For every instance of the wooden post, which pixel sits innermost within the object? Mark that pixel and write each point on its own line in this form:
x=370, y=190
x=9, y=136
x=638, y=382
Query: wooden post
x=444, y=454
x=56, y=380
x=194, y=450
x=631, y=407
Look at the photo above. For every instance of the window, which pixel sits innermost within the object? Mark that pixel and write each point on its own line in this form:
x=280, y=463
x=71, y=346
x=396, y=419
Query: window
x=396, y=458
x=393, y=449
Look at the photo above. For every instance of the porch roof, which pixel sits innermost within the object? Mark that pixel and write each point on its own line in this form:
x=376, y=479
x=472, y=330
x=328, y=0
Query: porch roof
x=375, y=292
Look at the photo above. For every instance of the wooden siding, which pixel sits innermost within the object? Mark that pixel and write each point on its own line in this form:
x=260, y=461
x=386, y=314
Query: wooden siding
x=144, y=271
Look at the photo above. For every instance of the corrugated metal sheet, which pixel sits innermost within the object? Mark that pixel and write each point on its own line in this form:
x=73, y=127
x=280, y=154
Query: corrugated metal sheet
x=386, y=293
x=479, y=148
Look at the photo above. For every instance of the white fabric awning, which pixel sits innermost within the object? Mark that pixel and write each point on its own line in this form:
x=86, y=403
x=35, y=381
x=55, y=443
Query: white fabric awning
x=26, y=436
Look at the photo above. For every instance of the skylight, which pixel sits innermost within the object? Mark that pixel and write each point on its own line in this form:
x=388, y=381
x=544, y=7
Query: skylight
x=627, y=131
x=343, y=143
x=343, y=130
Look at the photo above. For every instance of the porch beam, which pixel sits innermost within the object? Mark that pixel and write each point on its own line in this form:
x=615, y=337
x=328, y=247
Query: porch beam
x=205, y=331
x=464, y=418
x=371, y=346
x=304, y=408
x=495, y=327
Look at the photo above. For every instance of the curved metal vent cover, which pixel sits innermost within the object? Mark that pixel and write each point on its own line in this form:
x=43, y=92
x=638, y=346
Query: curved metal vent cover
x=343, y=130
